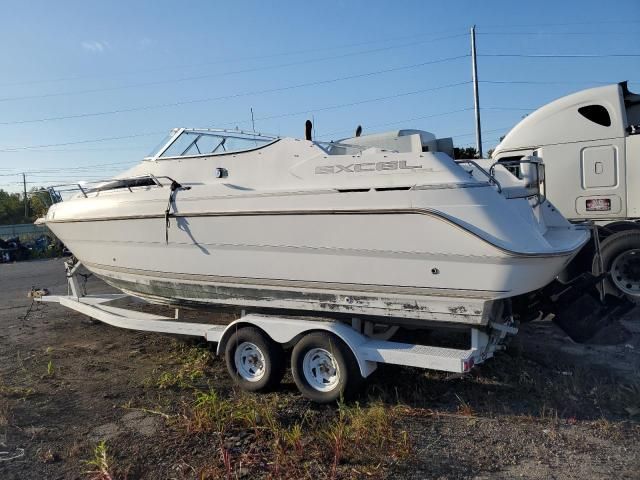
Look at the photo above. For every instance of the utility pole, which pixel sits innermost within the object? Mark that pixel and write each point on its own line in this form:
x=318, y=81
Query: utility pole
x=476, y=98
x=26, y=201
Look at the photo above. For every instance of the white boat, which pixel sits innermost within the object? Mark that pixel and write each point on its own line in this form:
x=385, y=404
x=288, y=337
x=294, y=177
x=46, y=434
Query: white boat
x=386, y=226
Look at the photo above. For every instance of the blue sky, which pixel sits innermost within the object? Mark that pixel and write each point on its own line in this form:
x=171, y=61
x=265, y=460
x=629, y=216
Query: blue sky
x=168, y=64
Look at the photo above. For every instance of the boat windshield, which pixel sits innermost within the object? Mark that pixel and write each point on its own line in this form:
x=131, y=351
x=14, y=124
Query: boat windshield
x=191, y=142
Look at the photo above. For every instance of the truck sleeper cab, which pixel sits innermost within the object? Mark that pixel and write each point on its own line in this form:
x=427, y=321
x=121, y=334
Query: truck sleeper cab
x=589, y=142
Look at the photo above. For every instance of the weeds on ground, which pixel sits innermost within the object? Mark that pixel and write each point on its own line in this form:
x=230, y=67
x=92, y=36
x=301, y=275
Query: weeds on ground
x=100, y=463
x=192, y=363
x=347, y=442
x=50, y=368
x=628, y=395
x=16, y=392
x=8, y=397
x=577, y=392
x=464, y=408
x=47, y=455
x=517, y=386
x=5, y=409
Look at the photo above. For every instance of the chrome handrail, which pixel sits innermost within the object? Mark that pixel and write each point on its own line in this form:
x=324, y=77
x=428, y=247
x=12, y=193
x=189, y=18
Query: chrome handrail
x=82, y=187
x=491, y=178
x=540, y=187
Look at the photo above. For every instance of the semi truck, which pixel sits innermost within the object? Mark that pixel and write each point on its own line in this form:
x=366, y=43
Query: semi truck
x=589, y=143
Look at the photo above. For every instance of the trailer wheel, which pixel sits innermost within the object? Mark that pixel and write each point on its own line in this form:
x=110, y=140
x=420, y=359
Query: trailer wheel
x=254, y=361
x=621, y=257
x=324, y=368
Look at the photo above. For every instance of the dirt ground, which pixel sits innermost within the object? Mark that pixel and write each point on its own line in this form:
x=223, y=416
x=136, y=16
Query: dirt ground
x=544, y=408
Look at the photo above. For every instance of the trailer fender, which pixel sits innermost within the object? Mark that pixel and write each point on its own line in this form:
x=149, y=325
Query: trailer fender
x=287, y=331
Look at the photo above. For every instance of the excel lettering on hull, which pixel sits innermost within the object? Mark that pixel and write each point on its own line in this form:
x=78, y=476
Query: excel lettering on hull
x=365, y=167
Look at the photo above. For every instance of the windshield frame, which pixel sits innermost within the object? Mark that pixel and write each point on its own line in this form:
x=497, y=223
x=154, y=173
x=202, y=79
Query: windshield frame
x=265, y=141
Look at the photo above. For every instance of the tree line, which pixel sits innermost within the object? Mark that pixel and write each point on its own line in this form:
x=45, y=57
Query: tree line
x=12, y=206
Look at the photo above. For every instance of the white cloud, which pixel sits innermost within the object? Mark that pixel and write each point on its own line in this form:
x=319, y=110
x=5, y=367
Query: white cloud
x=95, y=46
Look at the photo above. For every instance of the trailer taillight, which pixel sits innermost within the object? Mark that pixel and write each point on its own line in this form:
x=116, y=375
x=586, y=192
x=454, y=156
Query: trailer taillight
x=467, y=364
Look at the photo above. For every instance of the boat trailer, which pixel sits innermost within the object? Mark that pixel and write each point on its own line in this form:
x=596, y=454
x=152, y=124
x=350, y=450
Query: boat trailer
x=254, y=344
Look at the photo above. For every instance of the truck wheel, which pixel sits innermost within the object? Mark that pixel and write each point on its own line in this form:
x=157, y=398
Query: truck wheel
x=621, y=257
x=254, y=361
x=616, y=227
x=324, y=368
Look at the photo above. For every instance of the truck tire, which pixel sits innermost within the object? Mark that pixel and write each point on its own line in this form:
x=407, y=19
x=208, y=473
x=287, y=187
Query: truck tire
x=324, y=368
x=616, y=227
x=621, y=258
x=254, y=361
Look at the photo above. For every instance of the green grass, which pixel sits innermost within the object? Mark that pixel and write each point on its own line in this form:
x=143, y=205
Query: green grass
x=344, y=442
x=16, y=392
x=189, y=368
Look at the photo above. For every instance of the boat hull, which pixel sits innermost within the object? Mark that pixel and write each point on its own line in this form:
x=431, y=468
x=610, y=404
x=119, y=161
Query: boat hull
x=386, y=264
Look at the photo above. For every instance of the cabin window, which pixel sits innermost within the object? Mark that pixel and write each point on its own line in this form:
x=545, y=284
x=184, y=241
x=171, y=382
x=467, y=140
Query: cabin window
x=597, y=114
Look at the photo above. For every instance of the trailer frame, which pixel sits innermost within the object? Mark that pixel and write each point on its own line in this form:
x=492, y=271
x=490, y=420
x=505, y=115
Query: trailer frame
x=368, y=348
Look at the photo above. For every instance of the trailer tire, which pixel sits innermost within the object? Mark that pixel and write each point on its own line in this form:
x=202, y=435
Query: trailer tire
x=621, y=257
x=254, y=361
x=324, y=368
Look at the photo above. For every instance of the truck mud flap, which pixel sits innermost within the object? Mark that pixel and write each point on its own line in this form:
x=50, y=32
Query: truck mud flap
x=587, y=320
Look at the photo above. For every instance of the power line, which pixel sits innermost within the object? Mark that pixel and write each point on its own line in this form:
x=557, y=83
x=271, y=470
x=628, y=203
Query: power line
x=65, y=173
x=235, y=59
x=555, y=33
x=223, y=74
x=563, y=24
x=562, y=55
x=237, y=95
x=82, y=150
x=80, y=169
x=351, y=104
x=468, y=134
x=398, y=122
x=71, y=179
x=550, y=82
x=370, y=100
x=86, y=168
x=510, y=108
x=95, y=140
x=54, y=170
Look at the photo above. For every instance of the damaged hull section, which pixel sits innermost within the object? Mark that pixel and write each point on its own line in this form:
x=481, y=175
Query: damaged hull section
x=474, y=310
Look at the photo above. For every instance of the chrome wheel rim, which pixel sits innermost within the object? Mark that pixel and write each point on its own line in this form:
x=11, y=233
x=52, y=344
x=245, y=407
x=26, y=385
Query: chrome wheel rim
x=625, y=272
x=250, y=362
x=321, y=370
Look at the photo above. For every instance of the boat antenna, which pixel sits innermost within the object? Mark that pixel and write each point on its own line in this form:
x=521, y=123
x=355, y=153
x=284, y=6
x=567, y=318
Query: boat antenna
x=253, y=123
x=308, y=128
x=359, y=131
